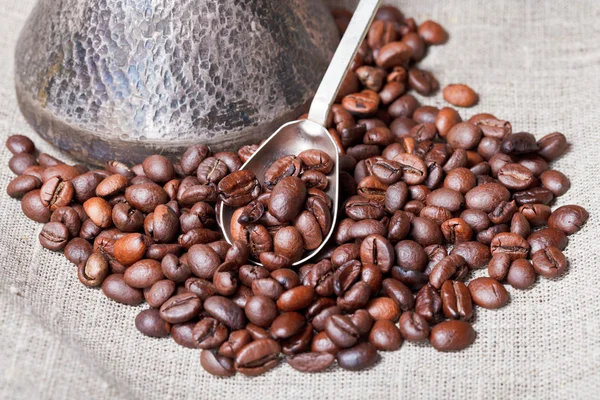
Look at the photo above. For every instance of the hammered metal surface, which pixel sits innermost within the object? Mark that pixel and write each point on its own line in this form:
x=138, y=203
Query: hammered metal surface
x=123, y=78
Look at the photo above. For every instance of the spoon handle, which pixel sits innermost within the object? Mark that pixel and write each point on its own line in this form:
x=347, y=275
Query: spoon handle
x=344, y=54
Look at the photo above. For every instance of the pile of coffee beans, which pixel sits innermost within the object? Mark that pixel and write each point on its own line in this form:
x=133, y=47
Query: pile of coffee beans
x=425, y=198
x=291, y=217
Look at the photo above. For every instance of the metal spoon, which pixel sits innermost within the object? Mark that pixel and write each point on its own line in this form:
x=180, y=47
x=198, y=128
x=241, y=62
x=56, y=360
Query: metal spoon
x=297, y=136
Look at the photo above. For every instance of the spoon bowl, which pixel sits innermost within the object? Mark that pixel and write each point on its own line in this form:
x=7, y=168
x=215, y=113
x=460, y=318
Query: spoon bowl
x=296, y=136
x=290, y=139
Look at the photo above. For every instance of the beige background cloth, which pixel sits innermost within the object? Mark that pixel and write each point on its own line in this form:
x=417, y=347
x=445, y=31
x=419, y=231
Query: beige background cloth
x=535, y=63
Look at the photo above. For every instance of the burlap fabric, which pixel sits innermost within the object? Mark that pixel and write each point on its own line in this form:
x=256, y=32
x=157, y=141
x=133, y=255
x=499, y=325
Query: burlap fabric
x=534, y=63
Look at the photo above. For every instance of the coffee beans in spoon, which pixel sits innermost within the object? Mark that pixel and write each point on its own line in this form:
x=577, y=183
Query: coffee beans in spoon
x=426, y=197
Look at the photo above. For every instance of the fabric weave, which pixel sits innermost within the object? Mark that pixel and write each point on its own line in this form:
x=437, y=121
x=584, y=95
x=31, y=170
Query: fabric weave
x=534, y=63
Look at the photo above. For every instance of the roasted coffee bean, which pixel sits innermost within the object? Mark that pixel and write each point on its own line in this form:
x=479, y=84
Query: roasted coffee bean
x=385, y=336
x=425, y=231
x=359, y=357
x=445, y=270
x=175, y=269
x=452, y=336
x=239, y=188
x=151, y=324
x=456, y=230
x=536, y=164
x=284, y=167
x=435, y=254
x=422, y=81
x=181, y=308
x=143, y=274
x=552, y=146
x=322, y=343
x=89, y=230
x=519, y=143
x=475, y=254
x=432, y=33
x=182, y=334
x=486, y=197
x=308, y=226
x=539, y=195
x=225, y=311
x=69, y=217
x=464, y=135
x=93, y=271
x=536, y=214
x=458, y=159
x=225, y=278
x=364, y=103
x=384, y=308
x=19, y=144
x=203, y=261
x=211, y=170
x=498, y=266
x=22, y=185
x=234, y=343
x=200, y=287
x=503, y=212
x=115, y=288
x=377, y=250
x=63, y=171
x=54, y=236
x=547, y=237
x=20, y=162
x=130, y=248
x=295, y=299
x=231, y=159
x=288, y=242
x=78, y=250
x=145, y=197
x=316, y=160
x=257, y=357
x=486, y=236
x=460, y=95
x=478, y=220
x=192, y=157
x=510, y=243
x=521, y=274
x=261, y=311
x=160, y=292
x=549, y=262
x=393, y=54
x=414, y=170
x=460, y=180
x=216, y=364
x=488, y=147
x=32, y=207
x=342, y=331
x=381, y=33
x=287, y=198
x=568, y=219
x=85, y=186
x=298, y=343
x=428, y=303
x=520, y=225
x=456, y=300
x=410, y=255
x=555, y=181
x=314, y=179
x=311, y=362
x=436, y=213
x=320, y=319
x=356, y=297
x=413, y=327
x=515, y=176
x=287, y=325
x=488, y=293
x=209, y=333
